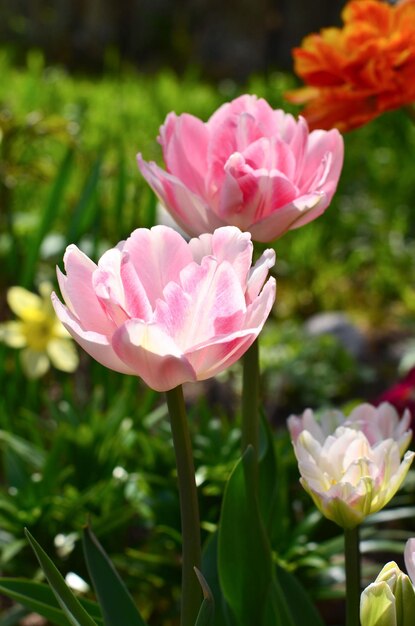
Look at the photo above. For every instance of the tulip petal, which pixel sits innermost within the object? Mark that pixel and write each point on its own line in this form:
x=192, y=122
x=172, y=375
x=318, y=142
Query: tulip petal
x=320, y=144
x=158, y=255
x=217, y=301
x=184, y=140
x=191, y=212
x=95, y=344
x=152, y=354
x=77, y=290
x=300, y=211
x=258, y=274
x=409, y=555
x=226, y=244
x=221, y=352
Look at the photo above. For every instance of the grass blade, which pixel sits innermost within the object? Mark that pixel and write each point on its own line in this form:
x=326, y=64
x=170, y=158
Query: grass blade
x=74, y=611
x=117, y=605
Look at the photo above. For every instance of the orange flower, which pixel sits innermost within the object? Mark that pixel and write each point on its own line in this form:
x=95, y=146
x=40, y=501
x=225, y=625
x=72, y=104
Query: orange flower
x=355, y=73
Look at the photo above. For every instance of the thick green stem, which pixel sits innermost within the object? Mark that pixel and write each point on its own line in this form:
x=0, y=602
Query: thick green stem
x=352, y=565
x=250, y=398
x=191, y=551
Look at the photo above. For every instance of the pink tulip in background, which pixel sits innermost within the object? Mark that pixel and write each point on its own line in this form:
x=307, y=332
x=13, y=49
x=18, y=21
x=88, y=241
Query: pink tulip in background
x=249, y=166
x=376, y=423
x=166, y=310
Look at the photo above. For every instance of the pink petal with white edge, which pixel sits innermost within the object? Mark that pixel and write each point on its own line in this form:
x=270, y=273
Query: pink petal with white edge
x=185, y=142
x=256, y=107
x=409, y=556
x=258, y=274
x=152, y=355
x=190, y=211
x=227, y=243
x=108, y=286
x=232, y=245
x=78, y=292
x=263, y=192
x=158, y=256
x=136, y=299
x=95, y=344
x=212, y=357
x=298, y=144
x=216, y=297
x=321, y=143
x=287, y=217
x=258, y=311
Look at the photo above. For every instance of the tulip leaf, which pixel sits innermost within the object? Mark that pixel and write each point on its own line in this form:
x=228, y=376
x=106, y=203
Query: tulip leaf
x=223, y=615
x=40, y=598
x=302, y=609
x=207, y=610
x=246, y=569
x=116, y=603
x=72, y=608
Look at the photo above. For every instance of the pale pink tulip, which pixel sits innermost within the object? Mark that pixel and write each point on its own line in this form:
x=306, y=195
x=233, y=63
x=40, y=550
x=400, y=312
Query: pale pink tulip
x=166, y=310
x=348, y=478
x=409, y=555
x=249, y=166
x=376, y=422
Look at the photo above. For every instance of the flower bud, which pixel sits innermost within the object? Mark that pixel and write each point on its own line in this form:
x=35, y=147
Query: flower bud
x=390, y=600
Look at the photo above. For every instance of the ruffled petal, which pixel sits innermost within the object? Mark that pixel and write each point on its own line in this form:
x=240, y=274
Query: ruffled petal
x=78, y=292
x=297, y=213
x=152, y=355
x=158, y=256
x=190, y=211
x=95, y=344
x=184, y=140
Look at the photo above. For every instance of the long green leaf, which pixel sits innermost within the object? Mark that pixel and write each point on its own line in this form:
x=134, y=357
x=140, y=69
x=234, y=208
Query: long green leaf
x=301, y=608
x=40, y=598
x=74, y=611
x=48, y=217
x=245, y=560
x=223, y=614
x=117, y=605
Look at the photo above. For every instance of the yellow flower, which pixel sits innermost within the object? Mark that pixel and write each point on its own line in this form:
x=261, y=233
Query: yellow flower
x=38, y=332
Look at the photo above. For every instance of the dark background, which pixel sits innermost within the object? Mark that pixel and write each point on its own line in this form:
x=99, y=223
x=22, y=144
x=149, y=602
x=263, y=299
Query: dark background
x=219, y=38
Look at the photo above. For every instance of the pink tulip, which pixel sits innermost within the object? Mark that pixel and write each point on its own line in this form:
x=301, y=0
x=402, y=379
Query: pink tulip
x=250, y=166
x=376, y=423
x=166, y=310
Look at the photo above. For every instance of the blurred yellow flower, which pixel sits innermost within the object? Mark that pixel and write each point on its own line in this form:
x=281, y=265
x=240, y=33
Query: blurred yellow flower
x=38, y=332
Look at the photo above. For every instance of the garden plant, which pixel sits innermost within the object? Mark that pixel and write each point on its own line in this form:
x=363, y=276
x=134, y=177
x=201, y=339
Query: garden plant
x=152, y=474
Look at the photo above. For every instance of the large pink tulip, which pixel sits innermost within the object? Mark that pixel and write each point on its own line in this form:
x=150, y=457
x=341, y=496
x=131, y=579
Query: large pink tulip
x=249, y=166
x=166, y=310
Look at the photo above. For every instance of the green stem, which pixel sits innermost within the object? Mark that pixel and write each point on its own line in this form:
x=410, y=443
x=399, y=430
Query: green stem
x=250, y=398
x=352, y=565
x=191, y=550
